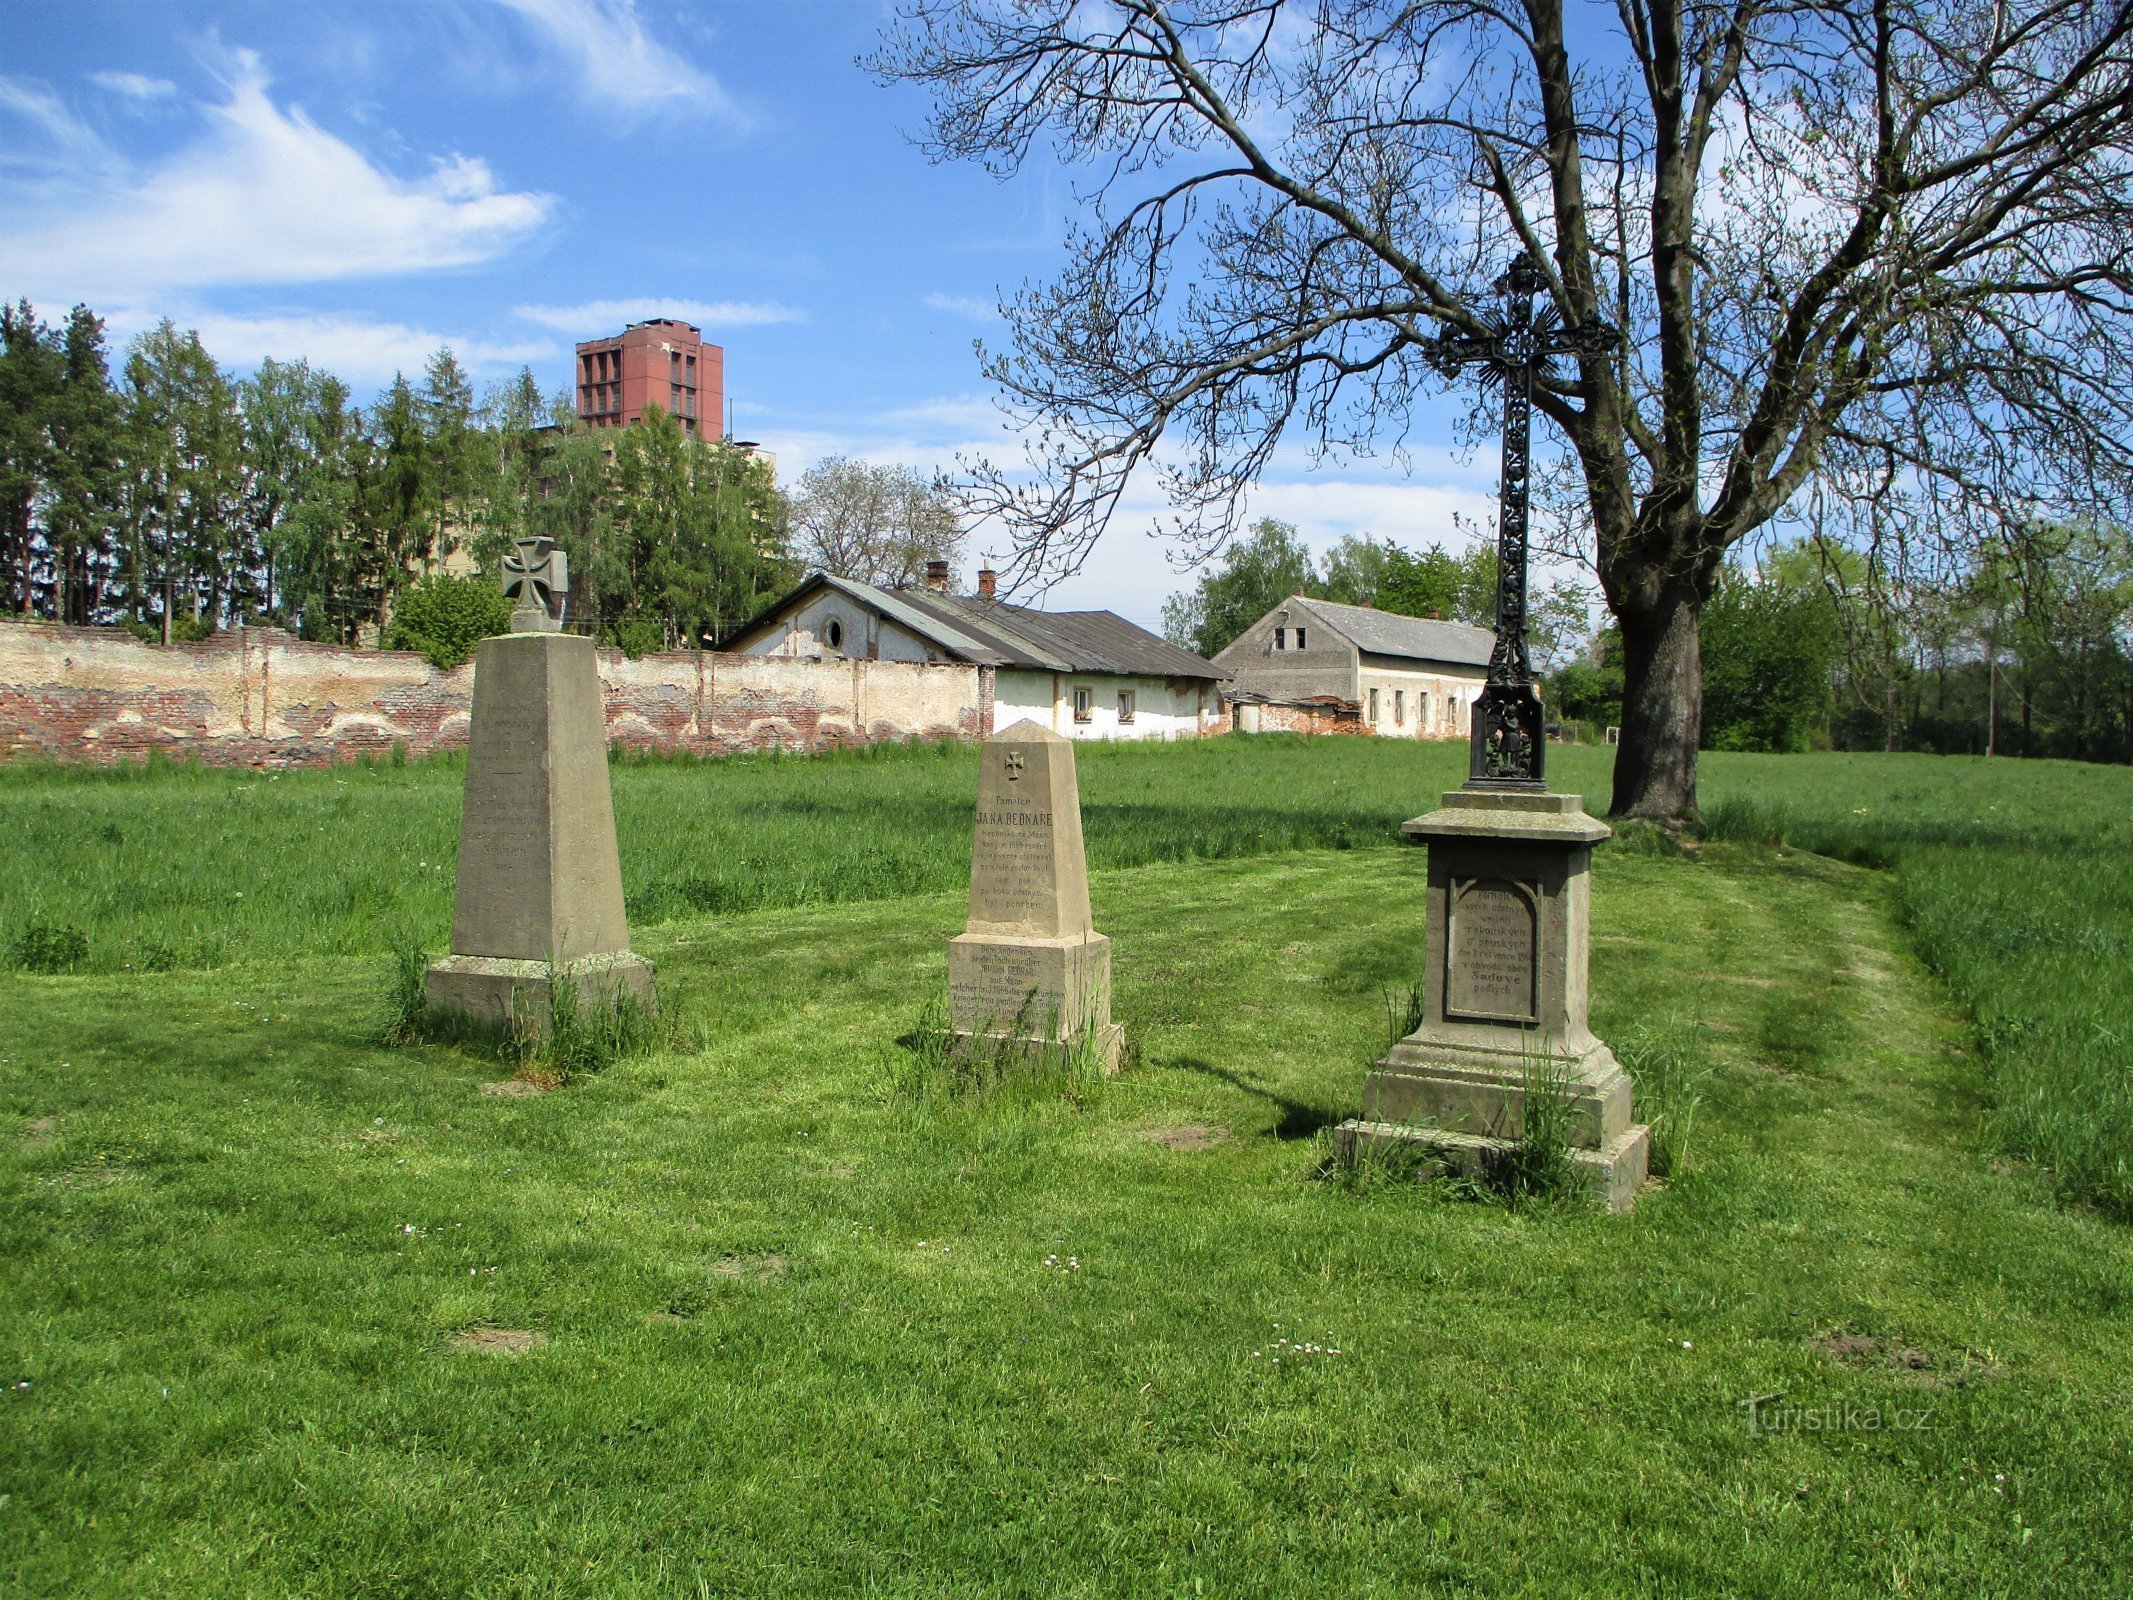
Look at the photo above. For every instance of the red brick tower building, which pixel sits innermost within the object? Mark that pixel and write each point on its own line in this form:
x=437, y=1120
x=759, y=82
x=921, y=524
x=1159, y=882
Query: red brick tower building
x=661, y=363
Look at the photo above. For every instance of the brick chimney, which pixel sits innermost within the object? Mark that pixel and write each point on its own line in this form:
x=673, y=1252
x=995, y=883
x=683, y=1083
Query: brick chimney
x=937, y=576
x=988, y=583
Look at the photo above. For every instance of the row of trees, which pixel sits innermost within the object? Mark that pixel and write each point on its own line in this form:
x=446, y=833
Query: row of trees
x=2024, y=649
x=178, y=498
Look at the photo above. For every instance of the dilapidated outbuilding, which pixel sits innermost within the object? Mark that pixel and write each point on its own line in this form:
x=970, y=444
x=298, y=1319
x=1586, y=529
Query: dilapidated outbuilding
x=1083, y=674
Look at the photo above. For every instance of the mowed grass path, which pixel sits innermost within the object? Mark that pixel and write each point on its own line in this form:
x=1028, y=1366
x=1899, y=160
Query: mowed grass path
x=801, y=1339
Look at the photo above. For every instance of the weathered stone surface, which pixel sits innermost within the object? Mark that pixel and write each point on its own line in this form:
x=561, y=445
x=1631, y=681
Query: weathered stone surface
x=540, y=880
x=1507, y=948
x=261, y=697
x=498, y=993
x=1030, y=965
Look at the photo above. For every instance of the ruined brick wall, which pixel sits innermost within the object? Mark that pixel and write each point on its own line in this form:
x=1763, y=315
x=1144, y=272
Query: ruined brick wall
x=260, y=697
x=1317, y=715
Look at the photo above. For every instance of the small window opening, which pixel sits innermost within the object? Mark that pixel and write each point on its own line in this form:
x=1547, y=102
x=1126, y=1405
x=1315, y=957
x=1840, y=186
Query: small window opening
x=1373, y=706
x=1082, y=704
x=1125, y=705
x=1281, y=638
x=1299, y=638
x=1399, y=708
x=834, y=634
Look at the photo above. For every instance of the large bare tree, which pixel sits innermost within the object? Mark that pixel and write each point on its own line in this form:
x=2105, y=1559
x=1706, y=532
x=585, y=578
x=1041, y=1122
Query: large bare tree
x=1883, y=243
x=874, y=524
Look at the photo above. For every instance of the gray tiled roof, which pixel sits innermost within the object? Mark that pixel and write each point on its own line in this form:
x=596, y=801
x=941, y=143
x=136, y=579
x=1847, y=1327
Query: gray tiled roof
x=995, y=634
x=1387, y=633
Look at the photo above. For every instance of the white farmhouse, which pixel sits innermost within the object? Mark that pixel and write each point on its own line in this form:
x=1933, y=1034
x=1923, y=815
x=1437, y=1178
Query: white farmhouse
x=1083, y=674
x=1312, y=664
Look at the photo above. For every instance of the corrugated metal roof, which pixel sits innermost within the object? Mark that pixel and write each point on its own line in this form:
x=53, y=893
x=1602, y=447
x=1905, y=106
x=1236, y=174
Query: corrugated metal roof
x=1387, y=633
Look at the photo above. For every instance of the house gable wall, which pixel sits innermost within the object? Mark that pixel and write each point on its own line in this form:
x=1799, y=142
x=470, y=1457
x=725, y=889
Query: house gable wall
x=1326, y=664
x=863, y=632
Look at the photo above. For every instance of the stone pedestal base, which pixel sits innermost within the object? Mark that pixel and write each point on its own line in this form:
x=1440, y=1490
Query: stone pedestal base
x=1042, y=993
x=1613, y=1173
x=1505, y=957
x=492, y=991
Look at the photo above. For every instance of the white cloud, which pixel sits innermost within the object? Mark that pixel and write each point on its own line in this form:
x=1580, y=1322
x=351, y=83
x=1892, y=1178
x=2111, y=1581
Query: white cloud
x=595, y=318
x=622, y=66
x=354, y=348
x=965, y=305
x=267, y=196
x=134, y=85
x=65, y=137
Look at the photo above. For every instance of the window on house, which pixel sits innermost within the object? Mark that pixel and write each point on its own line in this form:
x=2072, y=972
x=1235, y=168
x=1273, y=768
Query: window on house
x=1373, y=707
x=1281, y=638
x=1125, y=705
x=1299, y=638
x=1399, y=708
x=1083, y=707
x=833, y=632
x=1421, y=708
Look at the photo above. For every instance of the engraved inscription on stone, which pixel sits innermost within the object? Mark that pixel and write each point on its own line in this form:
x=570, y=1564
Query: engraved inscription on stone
x=1491, y=963
x=1011, y=866
x=1005, y=989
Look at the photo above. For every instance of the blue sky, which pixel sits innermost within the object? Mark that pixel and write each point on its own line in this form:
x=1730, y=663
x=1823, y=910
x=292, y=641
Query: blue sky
x=358, y=184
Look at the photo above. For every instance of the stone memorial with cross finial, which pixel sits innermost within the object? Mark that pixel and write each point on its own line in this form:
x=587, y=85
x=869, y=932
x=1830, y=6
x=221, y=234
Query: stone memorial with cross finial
x=1507, y=936
x=1030, y=972
x=539, y=894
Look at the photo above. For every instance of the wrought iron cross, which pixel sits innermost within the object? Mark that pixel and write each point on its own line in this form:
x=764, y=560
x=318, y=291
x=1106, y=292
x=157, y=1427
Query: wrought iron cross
x=537, y=575
x=1520, y=343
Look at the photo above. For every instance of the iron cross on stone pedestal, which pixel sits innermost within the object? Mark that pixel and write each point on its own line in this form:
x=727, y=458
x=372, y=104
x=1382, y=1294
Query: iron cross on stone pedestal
x=1508, y=741
x=537, y=576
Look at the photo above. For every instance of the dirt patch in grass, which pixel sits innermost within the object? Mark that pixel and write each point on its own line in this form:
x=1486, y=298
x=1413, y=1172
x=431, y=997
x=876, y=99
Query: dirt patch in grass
x=1856, y=1349
x=40, y=1130
x=100, y=1176
x=499, y=1341
x=751, y=1269
x=1188, y=1136
x=514, y=1087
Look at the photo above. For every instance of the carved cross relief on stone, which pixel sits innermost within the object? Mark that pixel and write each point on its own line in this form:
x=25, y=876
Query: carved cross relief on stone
x=536, y=575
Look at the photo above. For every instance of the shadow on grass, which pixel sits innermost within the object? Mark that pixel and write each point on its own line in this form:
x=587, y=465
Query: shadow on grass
x=1297, y=1120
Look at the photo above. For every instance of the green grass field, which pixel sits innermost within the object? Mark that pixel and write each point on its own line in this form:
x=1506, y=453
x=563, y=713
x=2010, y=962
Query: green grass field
x=790, y=1331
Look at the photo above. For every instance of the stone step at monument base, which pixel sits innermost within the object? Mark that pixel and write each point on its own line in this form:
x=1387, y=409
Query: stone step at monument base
x=1453, y=1082
x=493, y=992
x=1106, y=1047
x=1612, y=1174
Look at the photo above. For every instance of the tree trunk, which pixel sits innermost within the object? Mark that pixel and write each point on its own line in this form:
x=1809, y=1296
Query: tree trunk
x=1662, y=707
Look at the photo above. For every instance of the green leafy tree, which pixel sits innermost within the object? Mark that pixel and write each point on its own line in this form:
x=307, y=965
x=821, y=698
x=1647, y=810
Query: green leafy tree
x=1769, y=650
x=1266, y=566
x=81, y=481
x=183, y=442
x=444, y=617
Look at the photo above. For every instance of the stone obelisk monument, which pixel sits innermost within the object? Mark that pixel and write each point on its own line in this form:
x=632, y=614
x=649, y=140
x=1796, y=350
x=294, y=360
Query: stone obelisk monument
x=539, y=893
x=1508, y=940
x=1030, y=971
